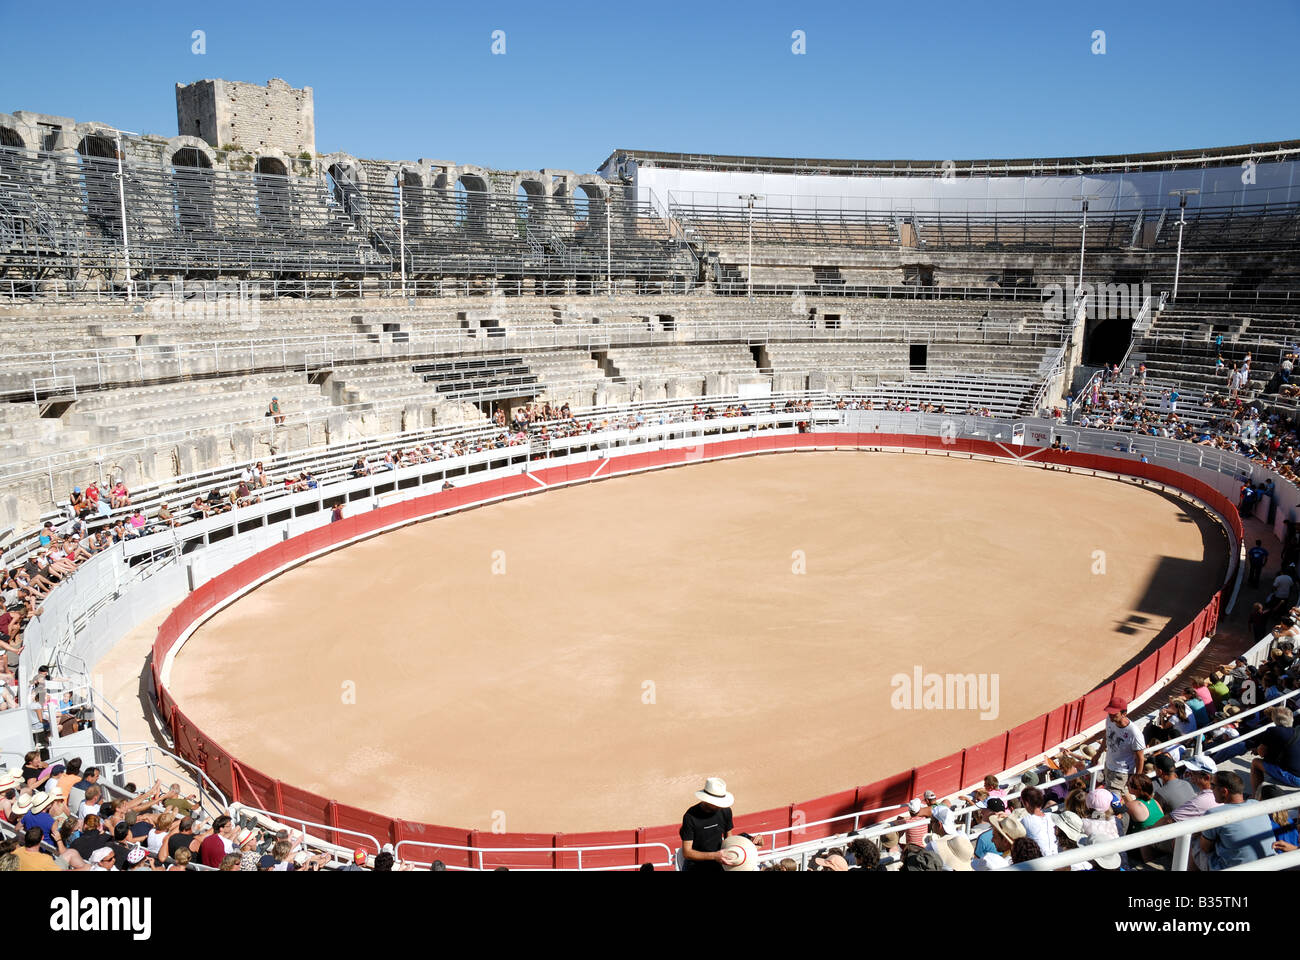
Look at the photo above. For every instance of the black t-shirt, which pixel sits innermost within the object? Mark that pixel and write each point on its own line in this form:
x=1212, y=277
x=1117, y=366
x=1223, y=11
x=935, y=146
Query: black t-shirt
x=176, y=841
x=89, y=842
x=705, y=827
x=140, y=829
x=1283, y=748
x=121, y=850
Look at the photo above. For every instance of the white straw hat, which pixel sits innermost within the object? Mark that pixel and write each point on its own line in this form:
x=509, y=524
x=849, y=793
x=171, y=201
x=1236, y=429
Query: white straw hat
x=739, y=853
x=715, y=792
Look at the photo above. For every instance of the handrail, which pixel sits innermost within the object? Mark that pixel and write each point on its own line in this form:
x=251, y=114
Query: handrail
x=484, y=852
x=200, y=779
x=364, y=346
x=1180, y=833
x=268, y=818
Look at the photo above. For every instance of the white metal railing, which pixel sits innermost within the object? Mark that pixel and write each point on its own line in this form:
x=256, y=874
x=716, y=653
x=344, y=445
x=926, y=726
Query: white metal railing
x=1049, y=373
x=160, y=765
x=482, y=853
x=309, y=829
x=52, y=384
x=1080, y=439
x=97, y=454
x=1179, y=833
x=118, y=364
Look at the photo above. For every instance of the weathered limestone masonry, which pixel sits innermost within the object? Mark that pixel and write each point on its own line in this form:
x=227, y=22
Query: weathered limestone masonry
x=225, y=125
x=225, y=112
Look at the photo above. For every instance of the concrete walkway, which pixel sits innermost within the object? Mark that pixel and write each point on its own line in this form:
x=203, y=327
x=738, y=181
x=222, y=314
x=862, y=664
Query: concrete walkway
x=122, y=678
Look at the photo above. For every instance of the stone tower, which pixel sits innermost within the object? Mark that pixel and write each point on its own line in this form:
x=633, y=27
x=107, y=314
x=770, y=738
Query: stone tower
x=224, y=113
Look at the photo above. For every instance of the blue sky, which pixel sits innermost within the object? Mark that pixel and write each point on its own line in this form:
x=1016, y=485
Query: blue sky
x=937, y=80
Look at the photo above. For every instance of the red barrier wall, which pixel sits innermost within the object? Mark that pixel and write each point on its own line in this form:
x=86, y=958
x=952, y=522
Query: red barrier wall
x=241, y=782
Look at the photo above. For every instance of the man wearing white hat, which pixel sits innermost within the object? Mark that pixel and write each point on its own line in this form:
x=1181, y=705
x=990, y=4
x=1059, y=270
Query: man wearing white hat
x=103, y=859
x=39, y=816
x=704, y=828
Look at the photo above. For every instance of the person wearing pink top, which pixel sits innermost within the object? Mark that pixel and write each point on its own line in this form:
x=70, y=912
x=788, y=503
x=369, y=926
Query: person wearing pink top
x=1199, y=772
x=916, y=822
x=119, y=495
x=1203, y=692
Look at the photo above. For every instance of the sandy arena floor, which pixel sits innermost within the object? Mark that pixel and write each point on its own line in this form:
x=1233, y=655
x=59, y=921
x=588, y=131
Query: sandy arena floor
x=642, y=633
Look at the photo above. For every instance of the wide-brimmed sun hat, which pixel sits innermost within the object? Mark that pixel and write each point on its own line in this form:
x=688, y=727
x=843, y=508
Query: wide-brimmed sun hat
x=715, y=792
x=1110, y=861
x=956, y=852
x=1069, y=823
x=739, y=853
x=1008, y=826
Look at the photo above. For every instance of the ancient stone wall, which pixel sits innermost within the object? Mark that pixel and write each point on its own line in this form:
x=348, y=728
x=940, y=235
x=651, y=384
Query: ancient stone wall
x=226, y=112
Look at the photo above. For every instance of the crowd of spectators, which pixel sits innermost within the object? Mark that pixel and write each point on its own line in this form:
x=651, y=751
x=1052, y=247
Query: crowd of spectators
x=1145, y=781
x=1229, y=421
x=991, y=829
x=907, y=405
x=63, y=819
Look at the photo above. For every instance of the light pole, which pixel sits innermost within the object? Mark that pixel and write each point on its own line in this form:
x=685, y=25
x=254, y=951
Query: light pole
x=1083, y=241
x=401, y=227
x=1182, y=196
x=121, y=199
x=749, y=199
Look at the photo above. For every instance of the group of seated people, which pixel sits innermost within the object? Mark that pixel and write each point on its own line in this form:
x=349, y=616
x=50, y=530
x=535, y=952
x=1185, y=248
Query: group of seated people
x=1003, y=830
x=95, y=503
x=546, y=429
x=905, y=405
x=63, y=819
x=1236, y=425
x=1000, y=824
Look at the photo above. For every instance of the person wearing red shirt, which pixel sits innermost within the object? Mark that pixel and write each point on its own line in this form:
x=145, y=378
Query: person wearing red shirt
x=218, y=843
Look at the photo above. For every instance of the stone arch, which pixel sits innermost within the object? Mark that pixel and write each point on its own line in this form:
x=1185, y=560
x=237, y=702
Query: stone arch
x=189, y=152
x=272, y=190
x=13, y=133
x=97, y=155
x=346, y=179
x=441, y=199
x=415, y=197
x=96, y=142
x=534, y=185
x=588, y=204
x=531, y=199
x=189, y=162
x=594, y=187
x=270, y=165
x=473, y=193
x=13, y=147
